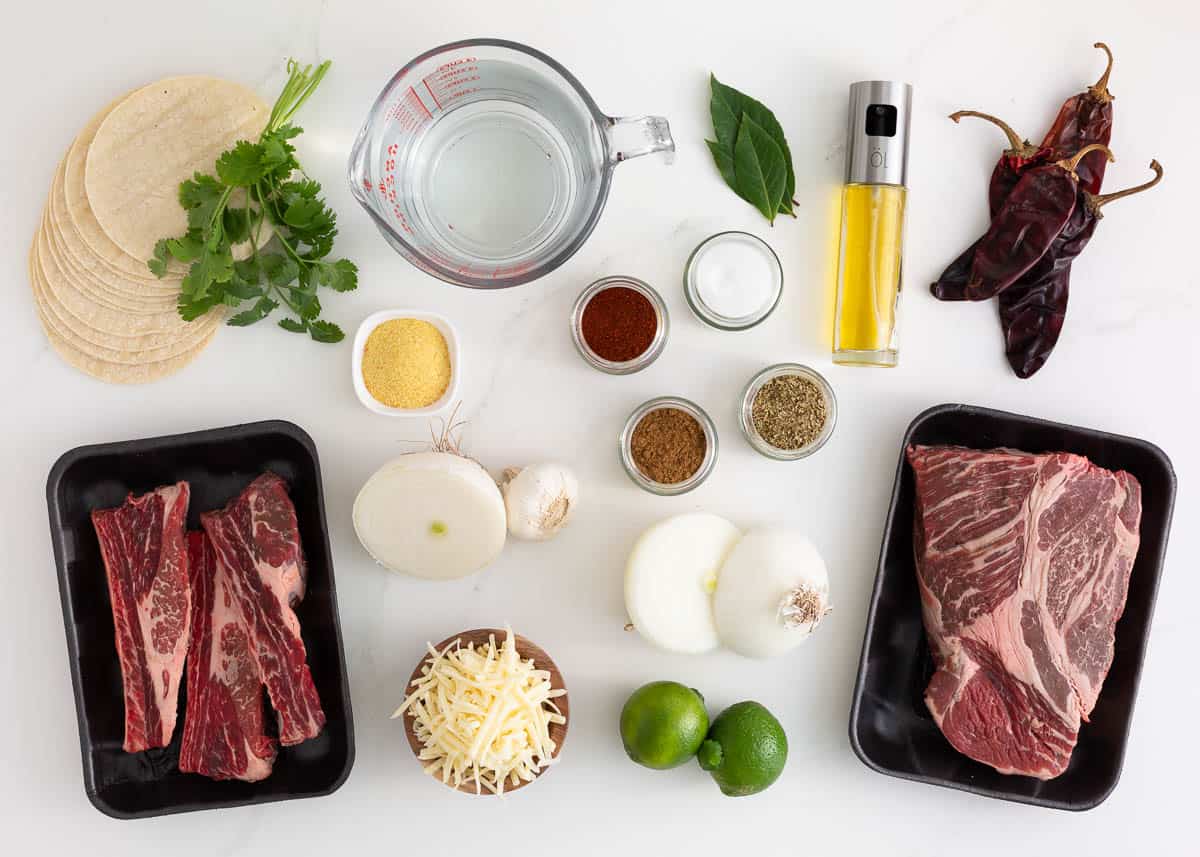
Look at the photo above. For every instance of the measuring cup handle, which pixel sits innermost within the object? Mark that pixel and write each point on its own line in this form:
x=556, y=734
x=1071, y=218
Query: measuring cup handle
x=634, y=136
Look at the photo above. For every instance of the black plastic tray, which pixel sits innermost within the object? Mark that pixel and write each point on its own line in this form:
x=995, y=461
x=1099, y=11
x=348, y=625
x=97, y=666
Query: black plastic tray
x=218, y=463
x=890, y=728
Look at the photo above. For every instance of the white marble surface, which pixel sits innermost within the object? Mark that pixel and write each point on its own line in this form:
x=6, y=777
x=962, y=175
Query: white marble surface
x=1127, y=363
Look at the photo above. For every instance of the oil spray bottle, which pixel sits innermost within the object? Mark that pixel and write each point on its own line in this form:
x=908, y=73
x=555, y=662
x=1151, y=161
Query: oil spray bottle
x=872, y=225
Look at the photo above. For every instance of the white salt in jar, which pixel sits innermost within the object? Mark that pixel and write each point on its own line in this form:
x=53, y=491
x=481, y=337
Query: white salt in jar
x=733, y=280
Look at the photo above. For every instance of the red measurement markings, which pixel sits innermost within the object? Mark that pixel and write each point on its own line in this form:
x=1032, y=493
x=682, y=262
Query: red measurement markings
x=409, y=112
x=432, y=94
x=452, y=81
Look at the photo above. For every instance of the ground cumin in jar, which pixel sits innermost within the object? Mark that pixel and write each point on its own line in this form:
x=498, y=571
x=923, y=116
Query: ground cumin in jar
x=668, y=445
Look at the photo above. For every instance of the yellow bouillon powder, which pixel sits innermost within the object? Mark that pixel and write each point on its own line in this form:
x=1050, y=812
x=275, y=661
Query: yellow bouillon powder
x=406, y=363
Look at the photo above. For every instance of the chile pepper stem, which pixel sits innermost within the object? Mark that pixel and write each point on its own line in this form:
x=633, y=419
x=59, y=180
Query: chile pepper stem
x=1104, y=199
x=1100, y=88
x=1015, y=144
x=1070, y=165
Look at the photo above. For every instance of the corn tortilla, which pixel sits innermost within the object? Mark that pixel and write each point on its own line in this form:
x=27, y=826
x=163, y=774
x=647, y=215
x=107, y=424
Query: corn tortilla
x=96, y=288
x=73, y=205
x=154, y=139
x=104, y=370
x=53, y=316
x=139, y=331
x=83, y=339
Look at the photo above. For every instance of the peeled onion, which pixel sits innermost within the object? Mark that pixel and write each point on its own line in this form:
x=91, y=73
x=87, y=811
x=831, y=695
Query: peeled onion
x=431, y=514
x=773, y=592
x=671, y=575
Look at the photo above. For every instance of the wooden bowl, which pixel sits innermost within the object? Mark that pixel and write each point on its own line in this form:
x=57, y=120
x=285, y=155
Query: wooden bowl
x=528, y=651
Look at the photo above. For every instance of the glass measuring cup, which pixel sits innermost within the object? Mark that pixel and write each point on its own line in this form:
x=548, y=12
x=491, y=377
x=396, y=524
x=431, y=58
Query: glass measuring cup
x=486, y=164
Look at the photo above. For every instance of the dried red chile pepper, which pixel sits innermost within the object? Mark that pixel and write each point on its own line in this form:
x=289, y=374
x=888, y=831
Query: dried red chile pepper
x=1020, y=156
x=1084, y=119
x=1032, y=216
x=1033, y=310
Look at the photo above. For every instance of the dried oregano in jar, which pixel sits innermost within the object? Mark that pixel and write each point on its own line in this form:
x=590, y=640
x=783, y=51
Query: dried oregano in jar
x=789, y=412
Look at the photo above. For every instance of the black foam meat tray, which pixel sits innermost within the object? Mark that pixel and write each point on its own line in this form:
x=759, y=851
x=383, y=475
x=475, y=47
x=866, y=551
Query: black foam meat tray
x=891, y=730
x=218, y=464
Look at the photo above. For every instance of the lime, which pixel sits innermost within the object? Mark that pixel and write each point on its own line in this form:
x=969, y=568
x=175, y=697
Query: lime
x=745, y=751
x=663, y=724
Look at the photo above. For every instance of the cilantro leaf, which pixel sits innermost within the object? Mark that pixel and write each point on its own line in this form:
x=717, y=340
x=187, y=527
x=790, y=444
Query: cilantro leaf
x=186, y=247
x=287, y=131
x=213, y=266
x=201, y=195
x=190, y=309
x=306, y=214
x=258, y=312
x=242, y=165
x=306, y=188
x=279, y=270
x=341, y=276
x=248, y=270
x=277, y=157
x=236, y=223
x=308, y=306
x=293, y=325
x=325, y=331
x=158, y=264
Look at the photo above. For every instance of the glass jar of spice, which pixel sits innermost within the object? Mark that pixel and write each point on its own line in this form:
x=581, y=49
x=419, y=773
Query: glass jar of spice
x=788, y=411
x=668, y=446
x=619, y=325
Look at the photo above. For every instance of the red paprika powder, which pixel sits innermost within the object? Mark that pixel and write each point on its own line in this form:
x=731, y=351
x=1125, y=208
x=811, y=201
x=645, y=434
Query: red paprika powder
x=619, y=324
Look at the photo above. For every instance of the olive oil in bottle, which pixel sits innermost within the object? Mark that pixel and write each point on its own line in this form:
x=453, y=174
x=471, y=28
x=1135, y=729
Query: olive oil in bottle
x=872, y=225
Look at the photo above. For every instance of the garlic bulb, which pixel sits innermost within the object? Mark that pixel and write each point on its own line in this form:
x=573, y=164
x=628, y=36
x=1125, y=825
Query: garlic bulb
x=539, y=500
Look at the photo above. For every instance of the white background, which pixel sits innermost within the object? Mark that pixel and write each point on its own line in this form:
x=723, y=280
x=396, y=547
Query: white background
x=1126, y=363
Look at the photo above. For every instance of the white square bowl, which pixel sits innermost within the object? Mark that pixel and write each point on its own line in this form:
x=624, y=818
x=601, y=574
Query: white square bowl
x=360, y=342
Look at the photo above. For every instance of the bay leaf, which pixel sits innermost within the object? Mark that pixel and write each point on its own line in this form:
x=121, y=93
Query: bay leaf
x=727, y=107
x=723, y=158
x=760, y=168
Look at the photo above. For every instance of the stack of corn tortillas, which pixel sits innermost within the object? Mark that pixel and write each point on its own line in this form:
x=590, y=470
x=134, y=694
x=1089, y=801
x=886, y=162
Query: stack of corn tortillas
x=115, y=194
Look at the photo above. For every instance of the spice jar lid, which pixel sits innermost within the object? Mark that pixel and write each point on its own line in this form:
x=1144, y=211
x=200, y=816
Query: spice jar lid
x=622, y=323
x=733, y=280
x=706, y=465
x=749, y=396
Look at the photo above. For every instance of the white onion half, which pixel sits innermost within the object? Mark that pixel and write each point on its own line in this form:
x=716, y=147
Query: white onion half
x=671, y=575
x=773, y=592
x=431, y=514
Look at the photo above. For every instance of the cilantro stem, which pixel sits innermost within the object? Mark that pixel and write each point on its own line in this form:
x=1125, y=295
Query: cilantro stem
x=301, y=84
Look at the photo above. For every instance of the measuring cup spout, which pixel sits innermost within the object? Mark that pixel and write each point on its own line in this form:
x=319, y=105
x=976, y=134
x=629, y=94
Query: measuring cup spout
x=358, y=169
x=634, y=136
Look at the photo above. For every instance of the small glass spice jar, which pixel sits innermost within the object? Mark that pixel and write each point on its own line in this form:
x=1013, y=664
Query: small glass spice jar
x=709, y=460
x=619, y=325
x=733, y=281
x=747, y=421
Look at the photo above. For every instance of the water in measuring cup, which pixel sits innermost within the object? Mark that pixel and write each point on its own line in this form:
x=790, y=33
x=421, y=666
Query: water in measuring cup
x=494, y=181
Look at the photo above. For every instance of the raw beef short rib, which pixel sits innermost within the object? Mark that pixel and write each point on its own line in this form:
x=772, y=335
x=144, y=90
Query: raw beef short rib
x=142, y=544
x=223, y=730
x=257, y=540
x=1023, y=564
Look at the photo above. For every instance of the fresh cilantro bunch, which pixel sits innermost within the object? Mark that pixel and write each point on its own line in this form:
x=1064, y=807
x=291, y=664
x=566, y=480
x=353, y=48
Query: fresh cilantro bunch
x=257, y=181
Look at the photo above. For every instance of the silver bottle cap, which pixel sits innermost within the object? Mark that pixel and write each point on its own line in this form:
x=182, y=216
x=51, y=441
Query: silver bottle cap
x=877, y=132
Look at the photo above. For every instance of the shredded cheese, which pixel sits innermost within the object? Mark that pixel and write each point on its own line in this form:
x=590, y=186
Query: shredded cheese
x=483, y=715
